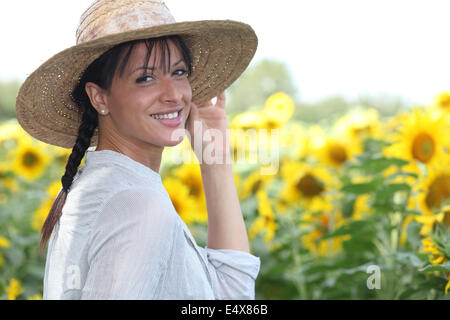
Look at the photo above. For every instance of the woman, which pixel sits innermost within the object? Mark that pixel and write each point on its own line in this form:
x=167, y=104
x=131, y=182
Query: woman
x=134, y=79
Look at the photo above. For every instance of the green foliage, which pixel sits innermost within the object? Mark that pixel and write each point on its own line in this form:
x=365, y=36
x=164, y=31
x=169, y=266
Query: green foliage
x=8, y=93
x=291, y=270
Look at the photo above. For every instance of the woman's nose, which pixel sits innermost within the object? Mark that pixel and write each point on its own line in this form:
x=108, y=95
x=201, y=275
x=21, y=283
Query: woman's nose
x=170, y=91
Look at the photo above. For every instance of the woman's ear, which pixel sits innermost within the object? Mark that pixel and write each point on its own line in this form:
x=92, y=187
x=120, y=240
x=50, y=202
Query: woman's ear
x=97, y=96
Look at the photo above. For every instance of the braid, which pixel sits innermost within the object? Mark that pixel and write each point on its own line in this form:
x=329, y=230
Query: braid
x=85, y=132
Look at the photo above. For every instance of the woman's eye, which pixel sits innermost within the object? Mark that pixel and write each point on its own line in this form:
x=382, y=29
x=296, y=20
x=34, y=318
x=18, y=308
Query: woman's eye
x=144, y=79
x=180, y=72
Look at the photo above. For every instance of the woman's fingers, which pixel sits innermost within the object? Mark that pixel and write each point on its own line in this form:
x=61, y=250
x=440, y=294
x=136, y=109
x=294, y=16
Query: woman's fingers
x=207, y=104
x=221, y=100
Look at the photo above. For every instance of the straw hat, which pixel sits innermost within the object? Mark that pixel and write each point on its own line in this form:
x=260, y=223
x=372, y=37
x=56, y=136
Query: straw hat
x=221, y=50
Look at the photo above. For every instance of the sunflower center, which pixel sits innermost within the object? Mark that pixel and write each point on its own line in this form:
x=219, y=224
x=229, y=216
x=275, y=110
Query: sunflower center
x=438, y=192
x=423, y=147
x=445, y=102
x=30, y=159
x=256, y=186
x=362, y=131
x=309, y=186
x=338, y=154
x=271, y=124
x=195, y=188
x=324, y=223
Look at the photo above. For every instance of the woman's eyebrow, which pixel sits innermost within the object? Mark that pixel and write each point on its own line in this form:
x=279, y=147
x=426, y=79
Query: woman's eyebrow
x=153, y=68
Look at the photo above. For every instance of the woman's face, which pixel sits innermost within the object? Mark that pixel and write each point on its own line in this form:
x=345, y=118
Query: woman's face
x=142, y=92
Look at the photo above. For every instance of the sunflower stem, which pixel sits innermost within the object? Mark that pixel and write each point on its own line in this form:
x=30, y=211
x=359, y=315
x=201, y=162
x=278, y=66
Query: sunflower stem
x=298, y=263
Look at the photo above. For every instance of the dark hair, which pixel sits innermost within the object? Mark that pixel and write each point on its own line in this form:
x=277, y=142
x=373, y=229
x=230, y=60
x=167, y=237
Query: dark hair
x=102, y=72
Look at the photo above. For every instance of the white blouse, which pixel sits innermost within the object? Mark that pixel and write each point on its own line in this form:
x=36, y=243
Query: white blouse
x=119, y=237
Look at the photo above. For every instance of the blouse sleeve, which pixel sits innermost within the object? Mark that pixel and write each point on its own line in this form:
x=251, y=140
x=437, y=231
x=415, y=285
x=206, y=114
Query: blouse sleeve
x=232, y=272
x=128, y=247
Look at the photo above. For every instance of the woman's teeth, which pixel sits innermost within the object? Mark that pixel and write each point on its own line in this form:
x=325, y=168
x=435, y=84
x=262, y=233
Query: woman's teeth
x=165, y=116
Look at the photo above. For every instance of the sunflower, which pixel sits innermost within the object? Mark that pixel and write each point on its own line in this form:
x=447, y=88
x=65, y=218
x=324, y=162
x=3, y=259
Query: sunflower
x=294, y=138
x=11, y=130
x=281, y=205
x=336, y=151
x=307, y=185
x=359, y=125
x=190, y=175
x=316, y=137
x=434, y=190
x=249, y=120
x=428, y=221
x=447, y=287
x=253, y=183
x=14, y=289
x=265, y=222
x=319, y=225
x=11, y=136
x=244, y=144
x=182, y=201
x=278, y=109
x=7, y=182
x=356, y=209
x=435, y=255
x=30, y=160
x=53, y=189
x=4, y=243
x=421, y=139
x=41, y=214
x=442, y=101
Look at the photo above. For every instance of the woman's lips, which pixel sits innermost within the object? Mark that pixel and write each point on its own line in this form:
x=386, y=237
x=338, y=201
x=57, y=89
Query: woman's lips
x=174, y=122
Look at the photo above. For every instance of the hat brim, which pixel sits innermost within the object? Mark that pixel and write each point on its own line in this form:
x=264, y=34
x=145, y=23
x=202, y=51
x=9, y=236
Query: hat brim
x=221, y=51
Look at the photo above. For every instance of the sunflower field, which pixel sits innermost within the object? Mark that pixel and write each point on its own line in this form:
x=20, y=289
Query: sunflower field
x=359, y=209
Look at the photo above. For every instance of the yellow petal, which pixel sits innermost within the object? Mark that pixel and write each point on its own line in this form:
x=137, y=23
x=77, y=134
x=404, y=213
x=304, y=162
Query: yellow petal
x=447, y=287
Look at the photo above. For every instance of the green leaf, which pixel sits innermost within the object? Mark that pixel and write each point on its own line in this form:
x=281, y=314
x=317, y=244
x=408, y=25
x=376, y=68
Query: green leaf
x=14, y=256
x=362, y=268
x=409, y=258
x=403, y=175
x=353, y=228
x=441, y=267
x=362, y=188
x=396, y=187
x=377, y=165
x=372, y=146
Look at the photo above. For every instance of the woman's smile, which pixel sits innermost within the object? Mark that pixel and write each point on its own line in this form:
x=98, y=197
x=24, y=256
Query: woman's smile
x=173, y=119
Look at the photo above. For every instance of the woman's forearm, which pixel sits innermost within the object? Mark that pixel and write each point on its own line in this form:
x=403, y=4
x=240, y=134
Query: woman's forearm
x=226, y=227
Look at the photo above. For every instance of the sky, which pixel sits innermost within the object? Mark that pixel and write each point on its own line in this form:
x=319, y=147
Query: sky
x=347, y=47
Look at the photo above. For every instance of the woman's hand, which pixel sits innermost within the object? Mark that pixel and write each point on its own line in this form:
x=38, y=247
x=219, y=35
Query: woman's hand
x=208, y=129
x=226, y=227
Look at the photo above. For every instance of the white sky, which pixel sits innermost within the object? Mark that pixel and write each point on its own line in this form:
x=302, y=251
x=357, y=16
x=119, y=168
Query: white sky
x=349, y=47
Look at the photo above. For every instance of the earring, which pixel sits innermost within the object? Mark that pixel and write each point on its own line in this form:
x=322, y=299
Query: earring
x=103, y=111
